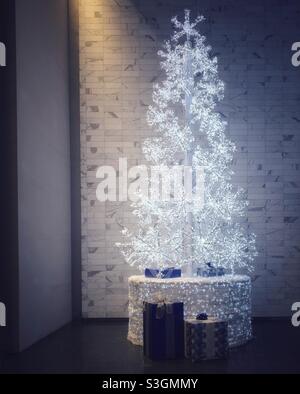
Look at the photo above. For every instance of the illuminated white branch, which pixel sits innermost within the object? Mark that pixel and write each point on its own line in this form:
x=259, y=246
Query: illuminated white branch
x=190, y=131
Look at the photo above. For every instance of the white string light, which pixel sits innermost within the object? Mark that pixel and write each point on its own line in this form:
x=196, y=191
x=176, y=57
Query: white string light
x=189, y=130
x=227, y=297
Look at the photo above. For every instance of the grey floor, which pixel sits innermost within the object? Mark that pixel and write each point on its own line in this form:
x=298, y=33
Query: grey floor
x=101, y=347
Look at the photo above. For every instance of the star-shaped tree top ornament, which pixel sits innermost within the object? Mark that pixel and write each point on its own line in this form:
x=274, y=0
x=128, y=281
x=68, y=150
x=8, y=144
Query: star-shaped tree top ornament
x=187, y=28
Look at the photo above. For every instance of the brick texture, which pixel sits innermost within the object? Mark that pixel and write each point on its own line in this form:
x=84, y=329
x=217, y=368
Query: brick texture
x=119, y=41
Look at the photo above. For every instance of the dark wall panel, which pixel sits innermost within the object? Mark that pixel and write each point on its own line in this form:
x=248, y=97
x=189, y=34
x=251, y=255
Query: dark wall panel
x=43, y=167
x=8, y=176
x=74, y=89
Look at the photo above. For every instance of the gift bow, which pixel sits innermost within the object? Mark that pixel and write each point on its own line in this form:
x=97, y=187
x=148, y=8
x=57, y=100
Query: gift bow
x=159, y=298
x=161, y=274
x=163, y=305
x=202, y=316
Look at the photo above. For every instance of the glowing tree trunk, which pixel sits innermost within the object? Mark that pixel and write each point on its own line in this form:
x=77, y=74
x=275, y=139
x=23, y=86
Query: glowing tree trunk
x=188, y=159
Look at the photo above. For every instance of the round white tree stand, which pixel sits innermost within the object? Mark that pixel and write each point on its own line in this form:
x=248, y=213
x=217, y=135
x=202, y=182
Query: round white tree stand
x=226, y=297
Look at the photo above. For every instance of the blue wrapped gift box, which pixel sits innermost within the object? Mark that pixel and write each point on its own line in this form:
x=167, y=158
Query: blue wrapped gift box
x=164, y=274
x=210, y=271
x=163, y=333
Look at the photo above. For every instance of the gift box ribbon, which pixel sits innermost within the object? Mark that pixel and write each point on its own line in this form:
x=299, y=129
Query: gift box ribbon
x=163, y=309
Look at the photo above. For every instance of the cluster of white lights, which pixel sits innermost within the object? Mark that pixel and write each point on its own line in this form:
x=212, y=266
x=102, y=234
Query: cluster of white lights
x=190, y=131
x=227, y=298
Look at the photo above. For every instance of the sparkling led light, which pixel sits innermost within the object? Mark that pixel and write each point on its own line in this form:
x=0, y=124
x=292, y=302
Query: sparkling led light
x=190, y=130
x=227, y=297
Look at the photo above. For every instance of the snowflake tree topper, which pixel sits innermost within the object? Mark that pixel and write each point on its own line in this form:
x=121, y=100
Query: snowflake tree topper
x=186, y=28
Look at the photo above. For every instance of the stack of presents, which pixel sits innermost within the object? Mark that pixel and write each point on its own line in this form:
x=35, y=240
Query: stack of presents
x=167, y=335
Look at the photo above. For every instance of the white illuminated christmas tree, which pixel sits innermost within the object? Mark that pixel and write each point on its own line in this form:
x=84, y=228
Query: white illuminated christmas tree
x=190, y=131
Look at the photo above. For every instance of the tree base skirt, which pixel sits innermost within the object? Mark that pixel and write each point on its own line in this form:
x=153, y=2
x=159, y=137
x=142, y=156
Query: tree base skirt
x=226, y=297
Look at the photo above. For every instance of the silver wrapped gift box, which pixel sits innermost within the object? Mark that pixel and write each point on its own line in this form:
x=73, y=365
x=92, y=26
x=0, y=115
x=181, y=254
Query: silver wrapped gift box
x=206, y=339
